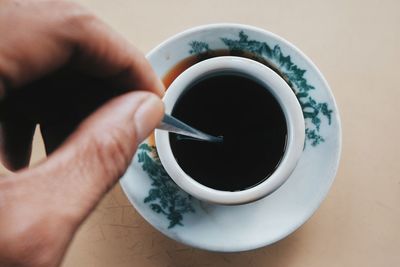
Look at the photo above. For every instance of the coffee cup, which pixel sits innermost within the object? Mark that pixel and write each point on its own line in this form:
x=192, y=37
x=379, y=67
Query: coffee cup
x=291, y=140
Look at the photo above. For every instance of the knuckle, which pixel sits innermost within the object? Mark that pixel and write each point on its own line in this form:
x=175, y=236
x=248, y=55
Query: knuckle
x=32, y=248
x=29, y=243
x=77, y=16
x=30, y=236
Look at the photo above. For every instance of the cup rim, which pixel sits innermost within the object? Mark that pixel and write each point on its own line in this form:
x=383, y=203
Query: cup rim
x=290, y=107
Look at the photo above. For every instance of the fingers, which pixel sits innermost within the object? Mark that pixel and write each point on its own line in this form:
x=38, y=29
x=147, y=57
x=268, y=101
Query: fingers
x=102, y=52
x=55, y=134
x=44, y=213
x=16, y=142
x=58, y=103
x=62, y=33
x=98, y=152
x=63, y=100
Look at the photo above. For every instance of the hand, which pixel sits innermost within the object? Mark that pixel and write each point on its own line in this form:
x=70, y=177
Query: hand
x=95, y=98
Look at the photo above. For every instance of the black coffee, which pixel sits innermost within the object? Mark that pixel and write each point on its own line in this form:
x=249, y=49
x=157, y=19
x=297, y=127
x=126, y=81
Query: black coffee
x=248, y=117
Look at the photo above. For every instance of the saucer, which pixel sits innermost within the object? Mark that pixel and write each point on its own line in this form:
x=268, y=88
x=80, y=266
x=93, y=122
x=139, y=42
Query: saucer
x=238, y=228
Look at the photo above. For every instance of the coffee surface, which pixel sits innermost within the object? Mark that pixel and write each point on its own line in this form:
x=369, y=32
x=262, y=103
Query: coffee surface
x=251, y=122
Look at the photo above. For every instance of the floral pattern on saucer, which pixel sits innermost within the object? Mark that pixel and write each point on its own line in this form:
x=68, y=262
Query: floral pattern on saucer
x=165, y=197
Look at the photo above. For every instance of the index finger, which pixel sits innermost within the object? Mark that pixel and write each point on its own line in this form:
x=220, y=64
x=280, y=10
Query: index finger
x=102, y=52
x=63, y=33
x=41, y=37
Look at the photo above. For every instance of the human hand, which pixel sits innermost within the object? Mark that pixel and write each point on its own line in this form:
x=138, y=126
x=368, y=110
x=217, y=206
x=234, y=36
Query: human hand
x=62, y=68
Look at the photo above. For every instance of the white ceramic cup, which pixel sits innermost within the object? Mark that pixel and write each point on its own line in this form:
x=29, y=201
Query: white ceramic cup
x=270, y=81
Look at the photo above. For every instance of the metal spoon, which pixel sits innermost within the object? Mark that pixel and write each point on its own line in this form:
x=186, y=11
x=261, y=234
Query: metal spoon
x=172, y=124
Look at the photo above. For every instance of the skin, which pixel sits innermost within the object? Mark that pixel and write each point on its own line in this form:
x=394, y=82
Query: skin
x=95, y=98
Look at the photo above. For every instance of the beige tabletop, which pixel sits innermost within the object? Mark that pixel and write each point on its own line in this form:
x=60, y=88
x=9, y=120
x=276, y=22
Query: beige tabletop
x=356, y=44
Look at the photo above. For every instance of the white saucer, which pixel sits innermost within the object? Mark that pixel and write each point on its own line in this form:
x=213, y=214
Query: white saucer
x=250, y=226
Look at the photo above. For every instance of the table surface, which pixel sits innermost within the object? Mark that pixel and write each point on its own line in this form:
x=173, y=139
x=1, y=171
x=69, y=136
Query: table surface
x=356, y=46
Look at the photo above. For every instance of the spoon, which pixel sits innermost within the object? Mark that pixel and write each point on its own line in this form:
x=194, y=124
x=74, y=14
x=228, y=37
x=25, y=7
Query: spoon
x=172, y=124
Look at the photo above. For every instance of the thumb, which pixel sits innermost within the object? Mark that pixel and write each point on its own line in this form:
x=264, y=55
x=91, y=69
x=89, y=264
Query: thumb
x=92, y=159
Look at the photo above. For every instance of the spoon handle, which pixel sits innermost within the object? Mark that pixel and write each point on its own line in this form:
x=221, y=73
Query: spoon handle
x=172, y=124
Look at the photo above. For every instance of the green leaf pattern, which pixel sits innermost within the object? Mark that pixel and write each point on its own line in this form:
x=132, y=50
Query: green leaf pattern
x=314, y=112
x=198, y=48
x=165, y=197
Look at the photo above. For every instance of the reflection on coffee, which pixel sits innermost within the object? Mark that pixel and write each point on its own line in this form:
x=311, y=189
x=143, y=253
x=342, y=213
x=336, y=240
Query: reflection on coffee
x=249, y=118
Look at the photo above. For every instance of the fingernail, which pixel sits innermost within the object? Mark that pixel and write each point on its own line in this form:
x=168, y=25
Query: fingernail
x=148, y=116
